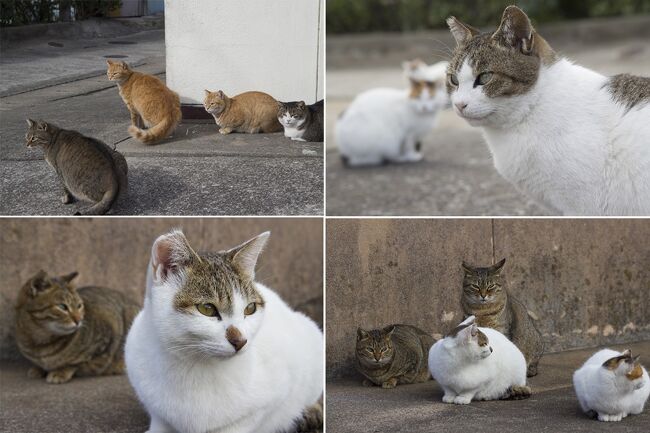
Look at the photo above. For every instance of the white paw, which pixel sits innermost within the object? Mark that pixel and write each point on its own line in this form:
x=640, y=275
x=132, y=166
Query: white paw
x=462, y=400
x=610, y=418
x=448, y=398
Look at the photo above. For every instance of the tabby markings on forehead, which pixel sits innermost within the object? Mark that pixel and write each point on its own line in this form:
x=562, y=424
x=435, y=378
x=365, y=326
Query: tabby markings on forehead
x=457, y=329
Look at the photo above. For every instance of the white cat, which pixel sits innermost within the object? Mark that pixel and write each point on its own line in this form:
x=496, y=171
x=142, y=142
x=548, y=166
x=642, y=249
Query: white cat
x=575, y=140
x=473, y=363
x=214, y=351
x=612, y=384
x=388, y=124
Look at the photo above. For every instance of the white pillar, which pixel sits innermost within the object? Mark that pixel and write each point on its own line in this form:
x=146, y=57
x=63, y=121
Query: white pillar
x=273, y=46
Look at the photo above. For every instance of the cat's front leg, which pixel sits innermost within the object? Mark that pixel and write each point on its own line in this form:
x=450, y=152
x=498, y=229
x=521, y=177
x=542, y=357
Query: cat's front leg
x=298, y=139
x=390, y=383
x=463, y=399
x=409, y=154
x=225, y=130
x=35, y=372
x=157, y=425
x=62, y=375
x=67, y=197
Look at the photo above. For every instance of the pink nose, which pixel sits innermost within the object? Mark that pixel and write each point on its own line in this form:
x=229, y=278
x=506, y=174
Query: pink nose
x=460, y=106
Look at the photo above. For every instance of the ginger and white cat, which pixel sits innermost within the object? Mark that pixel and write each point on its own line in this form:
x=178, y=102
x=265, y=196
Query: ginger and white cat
x=473, y=363
x=386, y=124
x=575, y=140
x=612, y=385
x=214, y=351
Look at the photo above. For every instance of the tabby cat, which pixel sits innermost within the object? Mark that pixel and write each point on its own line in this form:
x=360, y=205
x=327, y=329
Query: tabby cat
x=485, y=297
x=394, y=355
x=67, y=332
x=302, y=122
x=88, y=169
x=150, y=102
x=248, y=112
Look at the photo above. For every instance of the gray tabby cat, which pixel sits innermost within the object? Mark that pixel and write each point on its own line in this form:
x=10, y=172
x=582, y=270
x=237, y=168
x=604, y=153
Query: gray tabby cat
x=302, y=122
x=88, y=169
x=485, y=297
x=394, y=355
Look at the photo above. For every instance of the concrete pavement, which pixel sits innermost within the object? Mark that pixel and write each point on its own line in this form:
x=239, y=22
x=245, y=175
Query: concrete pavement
x=553, y=406
x=195, y=172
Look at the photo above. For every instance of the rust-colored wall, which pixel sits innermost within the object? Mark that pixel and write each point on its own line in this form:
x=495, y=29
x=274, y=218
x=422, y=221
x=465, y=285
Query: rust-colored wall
x=587, y=281
x=114, y=252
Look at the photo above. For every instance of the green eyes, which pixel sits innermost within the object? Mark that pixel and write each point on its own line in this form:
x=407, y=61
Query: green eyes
x=250, y=309
x=209, y=310
x=483, y=78
x=63, y=307
x=453, y=79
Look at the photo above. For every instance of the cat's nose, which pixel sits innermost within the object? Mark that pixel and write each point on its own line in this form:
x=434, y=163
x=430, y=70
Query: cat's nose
x=234, y=337
x=460, y=106
x=491, y=349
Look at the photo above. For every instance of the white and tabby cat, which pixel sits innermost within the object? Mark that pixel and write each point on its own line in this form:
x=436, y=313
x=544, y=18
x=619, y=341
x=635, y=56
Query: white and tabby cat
x=473, y=363
x=386, y=124
x=612, y=385
x=575, y=140
x=212, y=350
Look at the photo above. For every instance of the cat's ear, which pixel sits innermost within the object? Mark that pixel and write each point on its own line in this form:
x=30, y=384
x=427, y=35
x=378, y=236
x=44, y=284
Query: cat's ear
x=469, y=269
x=627, y=353
x=38, y=283
x=31, y=122
x=41, y=125
x=301, y=104
x=221, y=94
x=124, y=65
x=496, y=269
x=460, y=31
x=207, y=92
x=515, y=30
x=412, y=65
x=388, y=330
x=169, y=254
x=361, y=334
x=69, y=277
x=109, y=62
x=244, y=257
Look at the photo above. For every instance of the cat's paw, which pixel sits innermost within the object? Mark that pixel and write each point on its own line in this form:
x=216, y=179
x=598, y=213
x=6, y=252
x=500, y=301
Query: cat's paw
x=461, y=399
x=610, y=418
x=225, y=131
x=448, y=398
x=531, y=371
x=35, y=372
x=389, y=384
x=59, y=376
x=67, y=198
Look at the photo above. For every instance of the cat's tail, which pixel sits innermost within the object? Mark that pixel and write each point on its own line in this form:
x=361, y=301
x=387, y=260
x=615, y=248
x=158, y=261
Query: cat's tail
x=517, y=392
x=103, y=205
x=312, y=418
x=156, y=132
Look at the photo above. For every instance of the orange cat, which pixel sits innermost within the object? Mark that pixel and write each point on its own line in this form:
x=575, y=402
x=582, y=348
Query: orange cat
x=249, y=112
x=150, y=102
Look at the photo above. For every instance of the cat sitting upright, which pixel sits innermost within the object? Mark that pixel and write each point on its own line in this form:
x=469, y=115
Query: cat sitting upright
x=575, y=140
x=485, y=296
x=87, y=168
x=473, y=363
x=213, y=350
x=611, y=385
x=386, y=124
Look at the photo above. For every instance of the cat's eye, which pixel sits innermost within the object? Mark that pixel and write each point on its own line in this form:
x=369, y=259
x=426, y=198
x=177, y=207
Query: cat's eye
x=453, y=79
x=209, y=310
x=483, y=79
x=63, y=307
x=250, y=309
x=80, y=306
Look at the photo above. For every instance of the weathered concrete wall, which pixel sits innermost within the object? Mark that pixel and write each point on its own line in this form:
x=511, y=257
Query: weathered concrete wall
x=587, y=281
x=114, y=252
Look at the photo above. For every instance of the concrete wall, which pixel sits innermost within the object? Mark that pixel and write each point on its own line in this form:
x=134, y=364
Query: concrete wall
x=237, y=46
x=114, y=252
x=587, y=281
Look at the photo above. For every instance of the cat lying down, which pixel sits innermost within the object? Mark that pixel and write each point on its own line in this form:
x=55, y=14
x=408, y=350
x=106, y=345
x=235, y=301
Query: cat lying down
x=387, y=125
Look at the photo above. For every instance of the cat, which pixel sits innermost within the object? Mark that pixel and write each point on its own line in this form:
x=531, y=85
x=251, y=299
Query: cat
x=386, y=124
x=88, y=169
x=150, y=102
x=394, y=355
x=473, y=363
x=248, y=112
x=485, y=297
x=70, y=332
x=213, y=350
x=302, y=122
x=611, y=385
x=576, y=141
